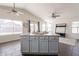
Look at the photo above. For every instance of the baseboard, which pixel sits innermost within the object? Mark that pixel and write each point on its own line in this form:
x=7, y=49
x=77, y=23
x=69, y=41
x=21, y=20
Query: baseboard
x=39, y=54
x=10, y=41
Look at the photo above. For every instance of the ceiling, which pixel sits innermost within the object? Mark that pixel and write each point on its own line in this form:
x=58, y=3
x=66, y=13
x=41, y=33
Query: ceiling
x=44, y=10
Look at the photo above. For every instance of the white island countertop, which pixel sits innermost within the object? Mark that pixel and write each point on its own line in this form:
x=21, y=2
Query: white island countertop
x=68, y=41
x=41, y=34
x=61, y=40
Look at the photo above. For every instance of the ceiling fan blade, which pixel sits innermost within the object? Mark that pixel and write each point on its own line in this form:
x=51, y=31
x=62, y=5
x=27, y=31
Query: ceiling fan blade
x=14, y=11
x=9, y=12
x=20, y=12
x=17, y=14
x=53, y=16
x=57, y=15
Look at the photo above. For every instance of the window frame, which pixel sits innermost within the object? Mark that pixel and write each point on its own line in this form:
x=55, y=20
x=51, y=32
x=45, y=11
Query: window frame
x=7, y=31
x=75, y=25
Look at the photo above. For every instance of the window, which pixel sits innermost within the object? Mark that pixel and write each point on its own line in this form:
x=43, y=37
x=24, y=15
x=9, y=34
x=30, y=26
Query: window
x=43, y=27
x=46, y=27
x=34, y=27
x=10, y=27
x=49, y=27
x=75, y=27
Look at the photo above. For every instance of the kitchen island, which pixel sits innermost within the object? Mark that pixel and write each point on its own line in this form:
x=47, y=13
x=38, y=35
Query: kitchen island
x=39, y=44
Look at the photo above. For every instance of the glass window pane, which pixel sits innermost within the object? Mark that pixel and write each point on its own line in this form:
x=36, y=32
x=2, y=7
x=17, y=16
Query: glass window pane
x=74, y=30
x=43, y=27
x=49, y=28
x=32, y=28
x=36, y=28
x=75, y=24
x=75, y=27
x=78, y=30
x=17, y=27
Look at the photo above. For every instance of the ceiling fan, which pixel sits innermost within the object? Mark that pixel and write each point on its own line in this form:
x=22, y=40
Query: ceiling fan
x=55, y=15
x=14, y=11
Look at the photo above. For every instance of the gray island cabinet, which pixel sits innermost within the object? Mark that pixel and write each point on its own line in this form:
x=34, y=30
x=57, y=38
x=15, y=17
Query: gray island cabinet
x=32, y=44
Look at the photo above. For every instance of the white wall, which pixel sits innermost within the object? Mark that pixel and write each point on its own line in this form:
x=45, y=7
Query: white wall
x=7, y=38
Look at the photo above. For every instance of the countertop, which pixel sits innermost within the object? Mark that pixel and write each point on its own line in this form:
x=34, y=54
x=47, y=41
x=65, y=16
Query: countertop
x=41, y=34
x=61, y=40
x=67, y=41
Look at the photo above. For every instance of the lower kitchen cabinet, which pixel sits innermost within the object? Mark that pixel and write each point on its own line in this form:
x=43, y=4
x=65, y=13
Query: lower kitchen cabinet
x=53, y=44
x=53, y=47
x=34, y=44
x=43, y=44
x=25, y=44
x=39, y=44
